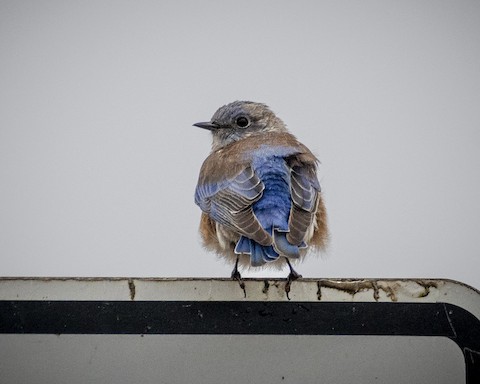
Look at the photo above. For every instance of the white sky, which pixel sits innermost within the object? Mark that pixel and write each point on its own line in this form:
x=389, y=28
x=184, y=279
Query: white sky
x=99, y=161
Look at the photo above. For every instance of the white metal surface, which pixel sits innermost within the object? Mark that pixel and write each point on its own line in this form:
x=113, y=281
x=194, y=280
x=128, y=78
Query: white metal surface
x=236, y=358
x=180, y=359
x=196, y=289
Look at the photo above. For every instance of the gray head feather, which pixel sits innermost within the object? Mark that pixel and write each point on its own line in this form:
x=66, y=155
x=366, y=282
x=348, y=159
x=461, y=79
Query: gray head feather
x=241, y=119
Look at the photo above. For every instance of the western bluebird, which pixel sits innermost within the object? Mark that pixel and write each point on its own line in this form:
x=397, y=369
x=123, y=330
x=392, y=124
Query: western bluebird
x=258, y=190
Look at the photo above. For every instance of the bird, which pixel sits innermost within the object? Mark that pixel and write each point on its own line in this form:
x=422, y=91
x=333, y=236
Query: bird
x=258, y=191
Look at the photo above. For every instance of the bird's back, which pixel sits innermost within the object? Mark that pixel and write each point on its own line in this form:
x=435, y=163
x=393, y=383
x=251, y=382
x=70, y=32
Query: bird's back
x=271, y=156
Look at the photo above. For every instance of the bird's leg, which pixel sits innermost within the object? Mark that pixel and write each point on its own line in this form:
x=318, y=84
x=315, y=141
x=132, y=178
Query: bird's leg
x=236, y=276
x=293, y=275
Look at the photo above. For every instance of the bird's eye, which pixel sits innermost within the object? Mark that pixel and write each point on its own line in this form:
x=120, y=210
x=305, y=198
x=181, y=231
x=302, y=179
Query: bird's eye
x=242, y=122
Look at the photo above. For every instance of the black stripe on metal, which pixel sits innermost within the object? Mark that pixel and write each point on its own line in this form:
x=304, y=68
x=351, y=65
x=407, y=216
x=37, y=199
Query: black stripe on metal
x=248, y=317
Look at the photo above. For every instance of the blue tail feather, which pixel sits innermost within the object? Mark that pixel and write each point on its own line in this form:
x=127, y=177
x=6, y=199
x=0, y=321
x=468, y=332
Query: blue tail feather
x=259, y=254
x=256, y=254
x=243, y=245
x=282, y=245
x=270, y=254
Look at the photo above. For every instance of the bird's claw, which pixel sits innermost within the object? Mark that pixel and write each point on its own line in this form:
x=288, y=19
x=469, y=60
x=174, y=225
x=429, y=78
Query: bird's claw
x=236, y=276
x=292, y=276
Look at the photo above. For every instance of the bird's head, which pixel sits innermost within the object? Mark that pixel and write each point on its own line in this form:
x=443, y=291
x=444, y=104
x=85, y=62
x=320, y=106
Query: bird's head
x=240, y=119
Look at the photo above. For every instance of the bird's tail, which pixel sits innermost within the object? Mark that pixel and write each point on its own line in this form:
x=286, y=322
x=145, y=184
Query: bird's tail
x=259, y=254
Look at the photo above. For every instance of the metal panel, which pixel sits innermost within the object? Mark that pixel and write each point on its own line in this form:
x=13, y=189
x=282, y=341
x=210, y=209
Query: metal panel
x=388, y=330
x=229, y=359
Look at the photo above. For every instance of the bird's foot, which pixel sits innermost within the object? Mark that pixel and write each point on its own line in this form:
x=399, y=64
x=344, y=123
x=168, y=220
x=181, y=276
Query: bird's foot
x=292, y=276
x=236, y=276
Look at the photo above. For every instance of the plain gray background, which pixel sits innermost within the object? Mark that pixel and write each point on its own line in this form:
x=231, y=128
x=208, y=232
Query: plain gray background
x=99, y=161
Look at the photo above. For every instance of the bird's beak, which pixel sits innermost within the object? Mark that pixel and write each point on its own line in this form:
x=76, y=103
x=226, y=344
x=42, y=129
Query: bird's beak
x=207, y=125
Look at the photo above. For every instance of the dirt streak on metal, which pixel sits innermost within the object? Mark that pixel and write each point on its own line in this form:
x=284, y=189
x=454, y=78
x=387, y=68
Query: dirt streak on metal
x=352, y=287
x=390, y=288
x=131, y=288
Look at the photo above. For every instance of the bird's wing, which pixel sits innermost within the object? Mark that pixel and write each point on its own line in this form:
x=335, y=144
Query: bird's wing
x=229, y=199
x=304, y=190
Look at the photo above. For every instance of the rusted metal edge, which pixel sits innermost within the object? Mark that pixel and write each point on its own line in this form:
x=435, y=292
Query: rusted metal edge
x=340, y=281
x=223, y=289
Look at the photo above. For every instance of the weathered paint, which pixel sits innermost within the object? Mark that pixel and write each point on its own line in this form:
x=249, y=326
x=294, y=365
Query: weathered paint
x=214, y=289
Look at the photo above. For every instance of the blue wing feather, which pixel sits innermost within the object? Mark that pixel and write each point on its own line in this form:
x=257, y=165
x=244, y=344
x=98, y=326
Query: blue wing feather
x=271, y=188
